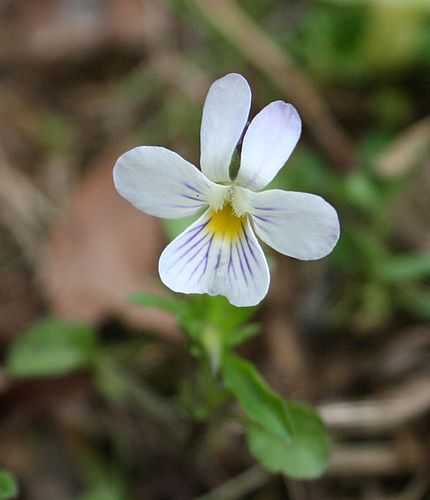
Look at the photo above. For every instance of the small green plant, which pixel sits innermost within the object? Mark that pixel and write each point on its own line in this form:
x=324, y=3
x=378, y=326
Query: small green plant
x=285, y=436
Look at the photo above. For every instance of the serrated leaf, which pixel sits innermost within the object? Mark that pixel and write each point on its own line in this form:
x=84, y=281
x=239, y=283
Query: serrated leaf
x=306, y=456
x=8, y=486
x=51, y=347
x=168, y=304
x=257, y=400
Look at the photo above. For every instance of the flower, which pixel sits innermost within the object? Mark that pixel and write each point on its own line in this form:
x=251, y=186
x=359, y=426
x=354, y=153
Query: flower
x=219, y=253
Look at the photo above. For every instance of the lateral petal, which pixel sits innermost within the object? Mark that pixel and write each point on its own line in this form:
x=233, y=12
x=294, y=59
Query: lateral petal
x=160, y=182
x=207, y=259
x=268, y=143
x=299, y=225
x=225, y=114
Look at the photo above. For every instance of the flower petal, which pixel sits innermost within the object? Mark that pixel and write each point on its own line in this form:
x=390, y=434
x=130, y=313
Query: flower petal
x=300, y=225
x=160, y=182
x=225, y=114
x=206, y=259
x=268, y=143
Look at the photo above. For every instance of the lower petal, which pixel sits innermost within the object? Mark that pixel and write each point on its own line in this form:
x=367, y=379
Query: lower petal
x=299, y=225
x=206, y=258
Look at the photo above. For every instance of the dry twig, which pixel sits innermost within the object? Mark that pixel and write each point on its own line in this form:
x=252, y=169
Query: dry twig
x=408, y=401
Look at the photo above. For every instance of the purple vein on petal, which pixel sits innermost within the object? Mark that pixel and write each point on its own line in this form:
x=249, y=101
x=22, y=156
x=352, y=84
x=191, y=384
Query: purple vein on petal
x=189, y=186
x=260, y=227
x=264, y=219
x=250, y=244
x=230, y=262
x=246, y=258
x=195, y=254
x=218, y=260
x=188, y=250
x=193, y=198
x=241, y=264
x=196, y=230
x=205, y=259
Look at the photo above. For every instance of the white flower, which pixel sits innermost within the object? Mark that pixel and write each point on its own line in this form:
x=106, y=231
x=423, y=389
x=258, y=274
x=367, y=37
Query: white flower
x=219, y=253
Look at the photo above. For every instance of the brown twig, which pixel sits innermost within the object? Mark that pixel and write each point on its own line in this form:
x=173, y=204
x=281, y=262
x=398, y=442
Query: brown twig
x=239, y=486
x=24, y=208
x=408, y=401
x=405, y=150
x=368, y=458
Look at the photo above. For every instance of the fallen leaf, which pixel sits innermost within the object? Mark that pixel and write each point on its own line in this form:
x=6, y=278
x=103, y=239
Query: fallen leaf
x=100, y=252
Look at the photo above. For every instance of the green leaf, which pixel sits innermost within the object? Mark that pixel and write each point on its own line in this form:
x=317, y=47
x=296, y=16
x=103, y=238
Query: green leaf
x=257, y=400
x=201, y=394
x=174, y=227
x=8, y=486
x=169, y=304
x=241, y=334
x=103, y=493
x=51, y=347
x=305, y=457
x=401, y=268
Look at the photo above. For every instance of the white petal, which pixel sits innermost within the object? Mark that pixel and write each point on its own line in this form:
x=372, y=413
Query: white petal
x=300, y=225
x=225, y=114
x=203, y=260
x=268, y=143
x=160, y=182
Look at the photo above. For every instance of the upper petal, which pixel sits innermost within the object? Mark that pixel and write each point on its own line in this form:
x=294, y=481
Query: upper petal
x=206, y=259
x=268, y=143
x=225, y=114
x=160, y=182
x=300, y=225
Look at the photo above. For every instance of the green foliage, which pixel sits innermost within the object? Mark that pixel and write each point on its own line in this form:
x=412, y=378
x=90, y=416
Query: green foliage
x=306, y=456
x=344, y=40
x=174, y=227
x=198, y=315
x=52, y=347
x=402, y=268
x=104, y=480
x=284, y=436
x=103, y=493
x=8, y=486
x=217, y=312
x=54, y=132
x=201, y=394
x=169, y=304
x=256, y=399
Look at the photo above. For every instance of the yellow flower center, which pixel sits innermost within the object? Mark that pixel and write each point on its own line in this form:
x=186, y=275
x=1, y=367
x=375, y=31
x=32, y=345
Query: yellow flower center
x=225, y=224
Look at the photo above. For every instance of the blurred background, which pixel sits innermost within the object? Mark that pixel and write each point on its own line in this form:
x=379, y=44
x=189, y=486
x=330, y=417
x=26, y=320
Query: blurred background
x=81, y=81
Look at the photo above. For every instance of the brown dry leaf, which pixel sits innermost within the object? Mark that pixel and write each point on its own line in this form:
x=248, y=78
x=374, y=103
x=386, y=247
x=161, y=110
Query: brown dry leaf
x=100, y=252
